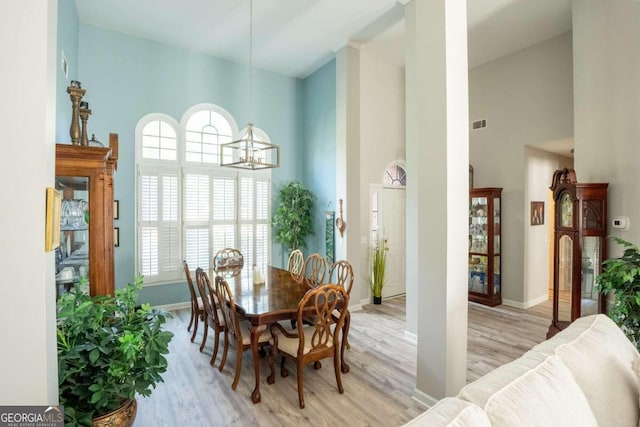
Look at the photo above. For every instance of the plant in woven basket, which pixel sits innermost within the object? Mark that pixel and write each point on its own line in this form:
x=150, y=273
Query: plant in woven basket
x=109, y=350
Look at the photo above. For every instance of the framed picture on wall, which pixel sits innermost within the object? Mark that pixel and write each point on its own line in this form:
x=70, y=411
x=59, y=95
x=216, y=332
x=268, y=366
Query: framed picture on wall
x=537, y=213
x=52, y=219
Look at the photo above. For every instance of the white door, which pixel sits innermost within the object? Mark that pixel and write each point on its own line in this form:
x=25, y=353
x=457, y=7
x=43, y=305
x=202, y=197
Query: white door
x=391, y=219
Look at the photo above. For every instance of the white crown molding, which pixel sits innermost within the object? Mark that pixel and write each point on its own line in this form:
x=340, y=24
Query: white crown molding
x=350, y=43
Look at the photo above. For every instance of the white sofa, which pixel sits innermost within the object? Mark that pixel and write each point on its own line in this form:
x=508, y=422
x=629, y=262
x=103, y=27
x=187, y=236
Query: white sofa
x=583, y=376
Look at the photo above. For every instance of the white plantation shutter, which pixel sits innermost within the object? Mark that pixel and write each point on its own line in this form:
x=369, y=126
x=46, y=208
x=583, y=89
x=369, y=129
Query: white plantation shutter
x=262, y=235
x=223, y=222
x=197, y=208
x=188, y=206
x=158, y=224
x=254, y=218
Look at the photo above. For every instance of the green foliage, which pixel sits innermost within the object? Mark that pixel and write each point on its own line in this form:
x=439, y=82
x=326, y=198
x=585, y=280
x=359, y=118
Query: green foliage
x=378, y=267
x=108, y=351
x=621, y=279
x=292, y=221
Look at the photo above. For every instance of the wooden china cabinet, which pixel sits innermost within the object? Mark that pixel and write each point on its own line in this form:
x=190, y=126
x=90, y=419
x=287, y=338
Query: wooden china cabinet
x=580, y=231
x=484, y=246
x=84, y=175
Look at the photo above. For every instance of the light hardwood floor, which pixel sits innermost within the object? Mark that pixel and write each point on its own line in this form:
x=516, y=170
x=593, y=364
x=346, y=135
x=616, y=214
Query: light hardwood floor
x=378, y=389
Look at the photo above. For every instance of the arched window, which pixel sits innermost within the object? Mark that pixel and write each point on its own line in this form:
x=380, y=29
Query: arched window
x=395, y=175
x=206, y=127
x=188, y=206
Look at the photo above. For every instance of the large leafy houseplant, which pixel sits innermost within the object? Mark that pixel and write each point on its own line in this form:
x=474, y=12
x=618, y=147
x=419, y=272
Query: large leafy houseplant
x=109, y=350
x=621, y=280
x=292, y=221
x=378, y=267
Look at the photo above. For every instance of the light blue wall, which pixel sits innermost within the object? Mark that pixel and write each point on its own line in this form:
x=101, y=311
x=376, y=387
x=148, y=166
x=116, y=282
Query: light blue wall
x=68, y=42
x=128, y=77
x=320, y=147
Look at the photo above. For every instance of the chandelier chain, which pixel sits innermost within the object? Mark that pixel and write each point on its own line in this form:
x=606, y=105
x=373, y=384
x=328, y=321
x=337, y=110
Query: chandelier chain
x=250, y=60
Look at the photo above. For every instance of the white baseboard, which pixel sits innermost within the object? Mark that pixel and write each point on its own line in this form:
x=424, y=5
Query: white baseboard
x=411, y=337
x=355, y=307
x=526, y=304
x=424, y=398
x=174, y=306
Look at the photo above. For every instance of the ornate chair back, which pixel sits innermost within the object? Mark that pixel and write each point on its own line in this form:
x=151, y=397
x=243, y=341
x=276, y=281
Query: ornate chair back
x=296, y=264
x=228, y=259
x=314, y=269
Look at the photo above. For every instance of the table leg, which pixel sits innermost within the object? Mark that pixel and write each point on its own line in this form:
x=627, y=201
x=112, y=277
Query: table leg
x=345, y=333
x=256, y=331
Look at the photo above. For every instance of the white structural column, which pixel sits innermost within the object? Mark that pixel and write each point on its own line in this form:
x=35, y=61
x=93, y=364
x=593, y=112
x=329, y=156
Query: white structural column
x=606, y=78
x=348, y=164
x=28, y=372
x=437, y=192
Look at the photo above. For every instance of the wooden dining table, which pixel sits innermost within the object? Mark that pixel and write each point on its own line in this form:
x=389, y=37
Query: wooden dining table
x=262, y=304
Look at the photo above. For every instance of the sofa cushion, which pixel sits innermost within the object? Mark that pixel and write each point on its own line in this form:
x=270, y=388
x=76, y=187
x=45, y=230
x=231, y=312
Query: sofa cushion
x=452, y=412
x=535, y=390
x=600, y=358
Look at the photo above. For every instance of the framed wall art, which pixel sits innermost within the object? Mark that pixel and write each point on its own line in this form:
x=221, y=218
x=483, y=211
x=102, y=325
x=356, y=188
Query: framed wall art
x=537, y=213
x=52, y=219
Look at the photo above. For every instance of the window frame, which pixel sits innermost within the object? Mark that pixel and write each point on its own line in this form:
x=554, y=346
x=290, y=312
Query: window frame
x=182, y=168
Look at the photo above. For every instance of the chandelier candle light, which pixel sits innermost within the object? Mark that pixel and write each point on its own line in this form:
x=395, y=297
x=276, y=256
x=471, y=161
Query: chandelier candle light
x=249, y=152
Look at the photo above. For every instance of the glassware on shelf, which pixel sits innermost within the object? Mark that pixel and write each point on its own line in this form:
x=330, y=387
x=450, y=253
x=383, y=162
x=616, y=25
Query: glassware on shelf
x=74, y=214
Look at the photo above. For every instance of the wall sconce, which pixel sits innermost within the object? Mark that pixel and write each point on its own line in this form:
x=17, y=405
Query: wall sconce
x=340, y=222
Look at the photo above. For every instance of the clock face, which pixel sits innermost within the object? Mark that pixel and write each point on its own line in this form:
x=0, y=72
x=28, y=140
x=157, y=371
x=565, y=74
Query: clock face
x=566, y=210
x=395, y=176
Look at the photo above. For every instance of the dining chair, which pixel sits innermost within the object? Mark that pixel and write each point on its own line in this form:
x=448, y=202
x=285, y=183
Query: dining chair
x=314, y=270
x=228, y=259
x=310, y=344
x=234, y=327
x=342, y=273
x=213, y=317
x=296, y=264
x=197, y=307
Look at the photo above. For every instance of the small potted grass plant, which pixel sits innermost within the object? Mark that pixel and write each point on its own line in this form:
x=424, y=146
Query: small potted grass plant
x=378, y=267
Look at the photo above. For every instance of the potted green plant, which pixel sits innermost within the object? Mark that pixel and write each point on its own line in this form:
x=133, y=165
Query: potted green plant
x=292, y=221
x=378, y=267
x=109, y=350
x=621, y=280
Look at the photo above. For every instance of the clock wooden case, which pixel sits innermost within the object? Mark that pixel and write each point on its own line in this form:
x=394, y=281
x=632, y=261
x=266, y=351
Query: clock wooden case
x=580, y=230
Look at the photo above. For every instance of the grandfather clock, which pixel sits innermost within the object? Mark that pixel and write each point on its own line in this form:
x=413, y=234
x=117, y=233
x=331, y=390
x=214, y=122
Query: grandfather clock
x=579, y=248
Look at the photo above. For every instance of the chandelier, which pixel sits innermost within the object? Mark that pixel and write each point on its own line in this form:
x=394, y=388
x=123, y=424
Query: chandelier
x=249, y=152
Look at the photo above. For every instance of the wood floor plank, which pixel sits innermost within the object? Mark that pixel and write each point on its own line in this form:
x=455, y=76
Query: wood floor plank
x=378, y=390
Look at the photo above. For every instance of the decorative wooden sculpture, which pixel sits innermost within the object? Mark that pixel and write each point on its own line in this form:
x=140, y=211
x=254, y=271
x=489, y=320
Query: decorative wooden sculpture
x=340, y=222
x=76, y=93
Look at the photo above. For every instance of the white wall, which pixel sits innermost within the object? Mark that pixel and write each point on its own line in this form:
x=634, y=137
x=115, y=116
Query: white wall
x=382, y=117
x=540, y=166
x=527, y=99
x=606, y=52
x=28, y=372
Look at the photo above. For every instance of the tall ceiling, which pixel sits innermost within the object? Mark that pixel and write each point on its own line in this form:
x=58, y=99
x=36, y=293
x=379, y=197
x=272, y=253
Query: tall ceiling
x=296, y=37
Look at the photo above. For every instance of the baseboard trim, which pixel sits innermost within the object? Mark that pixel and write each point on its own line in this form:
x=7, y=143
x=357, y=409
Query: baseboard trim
x=355, y=307
x=527, y=304
x=174, y=306
x=424, y=398
x=411, y=337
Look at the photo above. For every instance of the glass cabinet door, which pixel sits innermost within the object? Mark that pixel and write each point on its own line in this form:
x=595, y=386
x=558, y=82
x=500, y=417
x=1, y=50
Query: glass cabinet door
x=590, y=269
x=72, y=256
x=484, y=246
x=565, y=278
